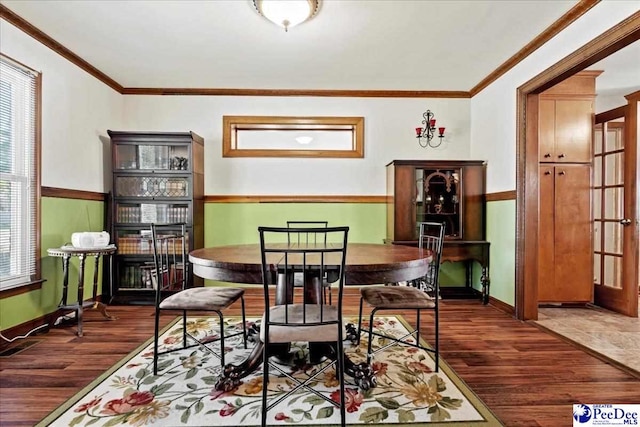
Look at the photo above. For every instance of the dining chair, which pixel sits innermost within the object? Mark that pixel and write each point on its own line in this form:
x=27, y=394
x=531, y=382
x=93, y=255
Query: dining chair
x=309, y=237
x=298, y=314
x=399, y=298
x=170, y=278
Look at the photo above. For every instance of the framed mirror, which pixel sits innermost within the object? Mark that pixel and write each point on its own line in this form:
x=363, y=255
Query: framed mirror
x=280, y=136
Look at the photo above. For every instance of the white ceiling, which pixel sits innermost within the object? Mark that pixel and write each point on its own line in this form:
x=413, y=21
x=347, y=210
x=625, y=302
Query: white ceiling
x=350, y=44
x=621, y=72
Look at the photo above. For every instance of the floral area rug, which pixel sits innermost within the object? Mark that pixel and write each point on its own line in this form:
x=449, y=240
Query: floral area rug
x=409, y=393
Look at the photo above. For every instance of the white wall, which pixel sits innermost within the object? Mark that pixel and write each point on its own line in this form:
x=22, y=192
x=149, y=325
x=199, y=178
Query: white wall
x=493, y=128
x=76, y=112
x=389, y=135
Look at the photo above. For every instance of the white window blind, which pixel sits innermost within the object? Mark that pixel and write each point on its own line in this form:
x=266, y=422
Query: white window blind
x=18, y=179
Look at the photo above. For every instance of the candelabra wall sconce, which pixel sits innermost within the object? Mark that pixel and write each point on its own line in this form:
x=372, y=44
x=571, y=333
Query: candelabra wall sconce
x=426, y=134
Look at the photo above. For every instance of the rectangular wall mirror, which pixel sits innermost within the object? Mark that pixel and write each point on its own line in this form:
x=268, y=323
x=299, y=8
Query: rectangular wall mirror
x=279, y=136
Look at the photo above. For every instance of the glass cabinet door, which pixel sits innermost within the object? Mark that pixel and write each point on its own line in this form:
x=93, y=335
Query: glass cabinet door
x=151, y=157
x=438, y=199
x=151, y=186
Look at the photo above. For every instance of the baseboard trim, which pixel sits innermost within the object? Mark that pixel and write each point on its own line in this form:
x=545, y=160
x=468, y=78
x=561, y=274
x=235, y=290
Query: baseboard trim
x=502, y=306
x=23, y=328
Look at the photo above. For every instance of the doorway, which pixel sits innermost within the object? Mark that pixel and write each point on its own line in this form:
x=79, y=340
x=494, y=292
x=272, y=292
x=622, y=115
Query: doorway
x=527, y=175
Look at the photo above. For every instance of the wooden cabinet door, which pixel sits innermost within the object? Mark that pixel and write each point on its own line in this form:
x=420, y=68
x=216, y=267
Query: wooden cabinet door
x=547, y=130
x=573, y=261
x=573, y=131
x=546, y=239
x=565, y=130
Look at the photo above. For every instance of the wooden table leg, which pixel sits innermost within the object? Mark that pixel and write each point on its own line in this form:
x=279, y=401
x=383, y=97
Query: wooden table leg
x=100, y=306
x=486, y=282
x=79, y=309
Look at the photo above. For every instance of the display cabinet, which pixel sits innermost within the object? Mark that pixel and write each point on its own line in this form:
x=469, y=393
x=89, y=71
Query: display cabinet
x=447, y=191
x=158, y=177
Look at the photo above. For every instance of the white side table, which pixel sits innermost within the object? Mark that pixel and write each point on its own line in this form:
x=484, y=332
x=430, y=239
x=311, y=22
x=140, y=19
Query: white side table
x=66, y=252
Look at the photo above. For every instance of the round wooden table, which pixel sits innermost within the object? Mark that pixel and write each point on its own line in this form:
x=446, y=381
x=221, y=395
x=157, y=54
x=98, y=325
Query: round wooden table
x=366, y=264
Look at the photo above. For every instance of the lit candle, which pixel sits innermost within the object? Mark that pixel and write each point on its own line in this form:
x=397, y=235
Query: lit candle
x=441, y=131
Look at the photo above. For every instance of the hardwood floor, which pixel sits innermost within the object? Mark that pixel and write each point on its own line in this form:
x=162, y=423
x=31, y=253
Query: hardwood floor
x=526, y=376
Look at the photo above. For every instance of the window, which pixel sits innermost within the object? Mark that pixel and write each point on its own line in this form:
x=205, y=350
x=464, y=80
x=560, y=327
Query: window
x=19, y=176
x=280, y=136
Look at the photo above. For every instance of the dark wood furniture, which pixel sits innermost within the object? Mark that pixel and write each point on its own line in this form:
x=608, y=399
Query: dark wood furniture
x=448, y=191
x=66, y=253
x=565, y=232
x=366, y=264
x=158, y=177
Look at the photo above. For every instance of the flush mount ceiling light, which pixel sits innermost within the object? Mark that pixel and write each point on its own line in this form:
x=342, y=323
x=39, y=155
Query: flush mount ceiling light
x=287, y=13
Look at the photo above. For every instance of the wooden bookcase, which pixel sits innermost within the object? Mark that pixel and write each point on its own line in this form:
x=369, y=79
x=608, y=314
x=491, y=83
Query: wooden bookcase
x=158, y=177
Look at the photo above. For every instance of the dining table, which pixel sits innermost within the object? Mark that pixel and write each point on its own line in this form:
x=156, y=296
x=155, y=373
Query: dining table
x=366, y=264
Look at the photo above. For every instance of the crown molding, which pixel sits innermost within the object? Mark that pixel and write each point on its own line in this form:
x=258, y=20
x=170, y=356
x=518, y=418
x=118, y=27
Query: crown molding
x=565, y=20
x=297, y=92
x=17, y=21
x=576, y=12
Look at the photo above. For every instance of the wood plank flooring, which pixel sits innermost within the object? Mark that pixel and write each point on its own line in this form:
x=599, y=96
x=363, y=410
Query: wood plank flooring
x=526, y=376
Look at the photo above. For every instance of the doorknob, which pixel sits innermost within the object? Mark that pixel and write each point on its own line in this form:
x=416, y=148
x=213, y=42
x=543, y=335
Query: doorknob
x=625, y=221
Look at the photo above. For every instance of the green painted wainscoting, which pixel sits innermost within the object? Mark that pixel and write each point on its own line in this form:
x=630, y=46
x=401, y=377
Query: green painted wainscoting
x=237, y=223
x=501, y=232
x=60, y=218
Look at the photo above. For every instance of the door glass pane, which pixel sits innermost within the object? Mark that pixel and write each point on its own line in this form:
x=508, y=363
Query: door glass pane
x=597, y=171
x=597, y=204
x=612, y=271
x=597, y=279
x=614, y=168
x=614, y=139
x=613, y=237
x=613, y=203
x=597, y=226
x=597, y=139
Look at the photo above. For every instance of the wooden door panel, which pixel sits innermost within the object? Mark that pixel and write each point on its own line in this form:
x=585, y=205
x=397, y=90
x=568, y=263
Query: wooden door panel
x=573, y=131
x=573, y=234
x=546, y=243
x=547, y=130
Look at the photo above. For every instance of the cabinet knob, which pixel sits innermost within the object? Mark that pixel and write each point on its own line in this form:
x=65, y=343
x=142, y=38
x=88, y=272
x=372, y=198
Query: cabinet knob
x=547, y=172
x=547, y=155
x=561, y=156
x=561, y=173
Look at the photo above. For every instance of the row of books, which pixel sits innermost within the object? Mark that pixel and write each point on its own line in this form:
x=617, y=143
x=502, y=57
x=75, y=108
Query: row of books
x=150, y=213
x=144, y=277
x=134, y=244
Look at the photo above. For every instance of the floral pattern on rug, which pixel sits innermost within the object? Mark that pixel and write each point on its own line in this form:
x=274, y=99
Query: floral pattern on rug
x=183, y=392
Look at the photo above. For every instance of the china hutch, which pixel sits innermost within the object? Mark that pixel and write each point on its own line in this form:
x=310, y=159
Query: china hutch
x=158, y=177
x=447, y=191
